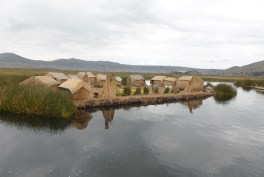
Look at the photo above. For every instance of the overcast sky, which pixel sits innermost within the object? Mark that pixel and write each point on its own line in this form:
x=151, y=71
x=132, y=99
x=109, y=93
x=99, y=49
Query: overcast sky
x=193, y=33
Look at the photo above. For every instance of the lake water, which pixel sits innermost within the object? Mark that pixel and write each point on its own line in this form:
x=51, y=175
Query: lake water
x=195, y=139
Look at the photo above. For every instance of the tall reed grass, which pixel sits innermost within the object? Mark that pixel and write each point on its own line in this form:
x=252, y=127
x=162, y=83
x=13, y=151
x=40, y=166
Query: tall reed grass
x=224, y=92
x=39, y=100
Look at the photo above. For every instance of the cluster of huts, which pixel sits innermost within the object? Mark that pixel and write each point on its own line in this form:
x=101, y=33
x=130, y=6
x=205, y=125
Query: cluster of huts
x=82, y=85
x=79, y=86
x=186, y=83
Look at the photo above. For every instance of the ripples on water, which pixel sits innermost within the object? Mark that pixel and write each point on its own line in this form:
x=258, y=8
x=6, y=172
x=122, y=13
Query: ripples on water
x=198, y=138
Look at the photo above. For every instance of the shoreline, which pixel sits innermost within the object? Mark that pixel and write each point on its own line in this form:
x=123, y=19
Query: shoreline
x=141, y=100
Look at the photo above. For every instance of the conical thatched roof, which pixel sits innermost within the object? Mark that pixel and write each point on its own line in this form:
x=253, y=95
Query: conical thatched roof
x=195, y=84
x=45, y=80
x=109, y=88
x=74, y=85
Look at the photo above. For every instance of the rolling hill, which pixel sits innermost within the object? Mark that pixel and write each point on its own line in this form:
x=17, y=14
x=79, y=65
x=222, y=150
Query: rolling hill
x=10, y=60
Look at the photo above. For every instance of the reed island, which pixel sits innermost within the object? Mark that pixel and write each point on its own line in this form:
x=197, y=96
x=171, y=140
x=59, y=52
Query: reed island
x=59, y=95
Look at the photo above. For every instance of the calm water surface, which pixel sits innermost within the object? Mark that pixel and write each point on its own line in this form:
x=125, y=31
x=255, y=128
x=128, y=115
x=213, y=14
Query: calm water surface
x=195, y=139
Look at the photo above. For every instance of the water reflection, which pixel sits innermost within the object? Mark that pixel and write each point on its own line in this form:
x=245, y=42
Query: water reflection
x=194, y=104
x=108, y=116
x=81, y=119
x=35, y=123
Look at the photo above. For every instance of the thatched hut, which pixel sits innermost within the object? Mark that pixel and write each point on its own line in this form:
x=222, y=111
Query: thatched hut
x=83, y=76
x=195, y=85
x=91, y=77
x=77, y=89
x=136, y=80
x=73, y=76
x=43, y=80
x=109, y=89
x=170, y=82
x=183, y=82
x=58, y=76
x=158, y=81
x=118, y=80
x=100, y=79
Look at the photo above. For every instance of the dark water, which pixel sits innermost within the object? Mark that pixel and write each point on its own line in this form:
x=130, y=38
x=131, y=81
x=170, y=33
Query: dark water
x=198, y=138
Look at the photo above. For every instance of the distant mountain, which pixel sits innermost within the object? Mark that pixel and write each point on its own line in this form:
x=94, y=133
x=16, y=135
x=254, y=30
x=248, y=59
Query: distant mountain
x=253, y=69
x=10, y=60
x=192, y=73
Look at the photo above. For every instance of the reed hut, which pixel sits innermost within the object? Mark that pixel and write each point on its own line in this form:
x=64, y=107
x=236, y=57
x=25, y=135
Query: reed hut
x=136, y=80
x=183, y=82
x=196, y=84
x=109, y=89
x=73, y=76
x=100, y=79
x=170, y=82
x=158, y=81
x=118, y=80
x=91, y=77
x=58, y=76
x=42, y=80
x=77, y=89
x=83, y=76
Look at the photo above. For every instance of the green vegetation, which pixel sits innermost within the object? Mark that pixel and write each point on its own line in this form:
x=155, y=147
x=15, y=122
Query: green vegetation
x=37, y=100
x=249, y=83
x=138, y=91
x=224, y=92
x=156, y=90
x=127, y=91
x=166, y=90
x=146, y=90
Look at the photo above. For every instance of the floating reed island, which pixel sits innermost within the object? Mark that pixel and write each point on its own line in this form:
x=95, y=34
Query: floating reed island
x=63, y=93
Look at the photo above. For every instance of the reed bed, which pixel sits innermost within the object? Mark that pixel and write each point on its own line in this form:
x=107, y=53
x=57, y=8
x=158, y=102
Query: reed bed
x=224, y=92
x=33, y=100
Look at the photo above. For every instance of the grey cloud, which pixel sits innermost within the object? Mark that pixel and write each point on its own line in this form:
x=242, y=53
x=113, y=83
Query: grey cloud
x=167, y=32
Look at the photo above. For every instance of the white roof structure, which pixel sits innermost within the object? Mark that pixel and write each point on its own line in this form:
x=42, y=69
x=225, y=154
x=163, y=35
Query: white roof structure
x=117, y=78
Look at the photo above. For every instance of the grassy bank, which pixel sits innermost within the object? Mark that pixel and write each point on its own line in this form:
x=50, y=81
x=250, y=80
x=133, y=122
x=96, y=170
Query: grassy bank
x=33, y=99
